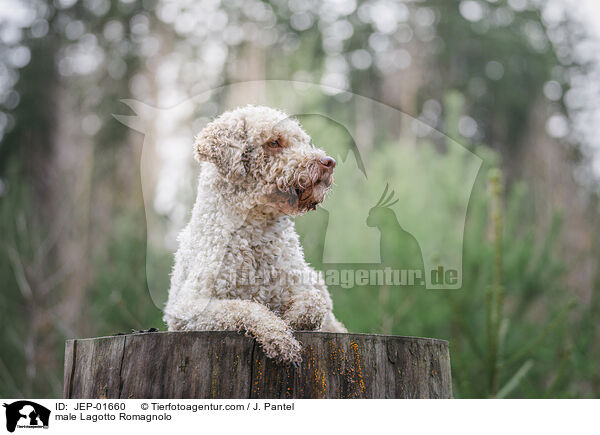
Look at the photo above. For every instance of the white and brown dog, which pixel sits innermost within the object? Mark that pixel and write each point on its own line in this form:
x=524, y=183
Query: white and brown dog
x=240, y=265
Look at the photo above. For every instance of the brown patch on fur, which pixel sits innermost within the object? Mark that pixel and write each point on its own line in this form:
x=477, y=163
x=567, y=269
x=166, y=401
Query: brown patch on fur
x=299, y=198
x=285, y=201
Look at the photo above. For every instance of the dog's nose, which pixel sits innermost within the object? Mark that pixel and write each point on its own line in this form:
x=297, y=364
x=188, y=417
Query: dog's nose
x=327, y=162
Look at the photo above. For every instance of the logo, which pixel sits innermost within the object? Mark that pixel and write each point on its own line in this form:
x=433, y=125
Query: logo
x=26, y=414
x=395, y=217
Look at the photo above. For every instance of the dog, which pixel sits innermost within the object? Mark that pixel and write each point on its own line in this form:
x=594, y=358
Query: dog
x=240, y=265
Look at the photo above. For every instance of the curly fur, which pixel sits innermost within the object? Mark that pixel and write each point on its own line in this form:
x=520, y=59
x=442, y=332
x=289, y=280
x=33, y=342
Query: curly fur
x=240, y=247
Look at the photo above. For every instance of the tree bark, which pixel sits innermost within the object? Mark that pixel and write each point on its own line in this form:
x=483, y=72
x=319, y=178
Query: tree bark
x=228, y=365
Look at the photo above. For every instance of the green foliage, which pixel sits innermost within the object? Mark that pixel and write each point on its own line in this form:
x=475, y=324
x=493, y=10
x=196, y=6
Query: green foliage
x=512, y=325
x=507, y=323
x=31, y=331
x=119, y=294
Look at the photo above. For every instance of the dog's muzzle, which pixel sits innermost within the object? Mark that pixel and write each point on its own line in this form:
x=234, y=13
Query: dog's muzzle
x=312, y=196
x=307, y=191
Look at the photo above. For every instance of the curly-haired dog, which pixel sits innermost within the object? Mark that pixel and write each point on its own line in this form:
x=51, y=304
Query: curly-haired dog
x=240, y=265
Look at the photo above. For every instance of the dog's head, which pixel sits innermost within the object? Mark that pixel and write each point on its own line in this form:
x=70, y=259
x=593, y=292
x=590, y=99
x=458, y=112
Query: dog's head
x=266, y=155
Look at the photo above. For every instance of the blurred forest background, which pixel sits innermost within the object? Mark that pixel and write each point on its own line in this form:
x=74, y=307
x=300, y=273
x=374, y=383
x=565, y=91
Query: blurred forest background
x=513, y=80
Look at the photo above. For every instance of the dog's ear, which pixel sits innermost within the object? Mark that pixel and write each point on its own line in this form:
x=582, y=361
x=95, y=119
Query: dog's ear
x=224, y=145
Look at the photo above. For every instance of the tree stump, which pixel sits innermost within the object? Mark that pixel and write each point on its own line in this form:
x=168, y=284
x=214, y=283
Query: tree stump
x=229, y=365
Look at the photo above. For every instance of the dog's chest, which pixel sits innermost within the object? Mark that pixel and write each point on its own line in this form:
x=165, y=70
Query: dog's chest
x=256, y=257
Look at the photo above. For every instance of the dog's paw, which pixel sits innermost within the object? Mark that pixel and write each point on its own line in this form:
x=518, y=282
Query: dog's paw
x=305, y=312
x=283, y=348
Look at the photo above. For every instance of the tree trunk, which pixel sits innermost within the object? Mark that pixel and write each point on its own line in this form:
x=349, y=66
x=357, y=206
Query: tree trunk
x=228, y=365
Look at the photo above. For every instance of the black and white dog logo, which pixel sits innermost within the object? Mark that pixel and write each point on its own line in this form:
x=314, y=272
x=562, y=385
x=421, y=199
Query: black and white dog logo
x=26, y=414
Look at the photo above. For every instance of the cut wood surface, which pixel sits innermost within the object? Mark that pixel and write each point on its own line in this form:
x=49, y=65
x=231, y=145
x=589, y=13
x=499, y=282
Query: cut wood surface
x=229, y=365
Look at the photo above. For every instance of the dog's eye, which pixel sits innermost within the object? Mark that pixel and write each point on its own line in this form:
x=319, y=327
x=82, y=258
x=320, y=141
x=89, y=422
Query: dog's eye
x=274, y=144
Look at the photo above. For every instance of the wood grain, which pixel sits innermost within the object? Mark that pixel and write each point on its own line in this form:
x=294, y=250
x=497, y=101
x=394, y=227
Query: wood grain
x=207, y=364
